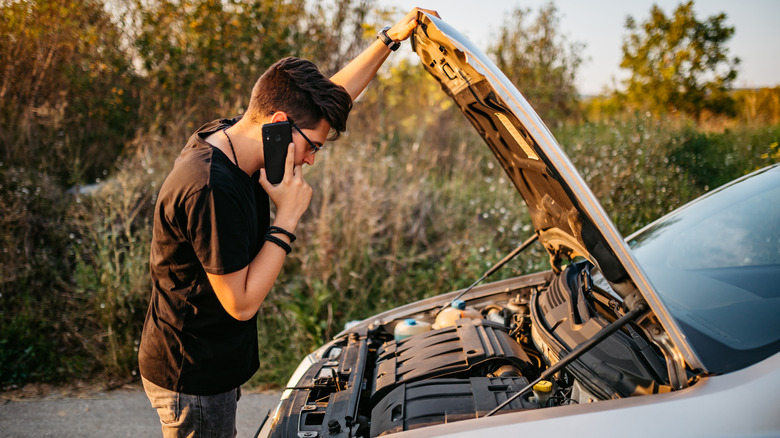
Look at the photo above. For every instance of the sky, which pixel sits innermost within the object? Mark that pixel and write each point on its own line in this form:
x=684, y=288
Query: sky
x=599, y=24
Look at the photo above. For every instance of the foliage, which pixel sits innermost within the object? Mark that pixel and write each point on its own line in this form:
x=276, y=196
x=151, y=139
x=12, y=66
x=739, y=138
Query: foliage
x=641, y=167
x=537, y=58
x=201, y=55
x=407, y=205
x=390, y=108
x=111, y=270
x=205, y=54
x=679, y=62
x=66, y=95
x=624, y=163
x=754, y=107
x=761, y=106
x=710, y=160
x=34, y=260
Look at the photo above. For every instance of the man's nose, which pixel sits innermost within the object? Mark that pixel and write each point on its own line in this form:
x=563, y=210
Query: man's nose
x=309, y=159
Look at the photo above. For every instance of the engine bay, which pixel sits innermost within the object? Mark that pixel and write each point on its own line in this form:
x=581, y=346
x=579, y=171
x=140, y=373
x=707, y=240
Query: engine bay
x=465, y=359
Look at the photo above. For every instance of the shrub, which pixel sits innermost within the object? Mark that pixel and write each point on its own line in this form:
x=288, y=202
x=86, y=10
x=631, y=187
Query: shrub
x=35, y=259
x=66, y=91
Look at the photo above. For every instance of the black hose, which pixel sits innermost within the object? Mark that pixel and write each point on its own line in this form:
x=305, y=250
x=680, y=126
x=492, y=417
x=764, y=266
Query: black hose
x=577, y=352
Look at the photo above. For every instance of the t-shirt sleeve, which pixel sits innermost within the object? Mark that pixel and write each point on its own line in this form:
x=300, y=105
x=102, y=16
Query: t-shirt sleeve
x=217, y=228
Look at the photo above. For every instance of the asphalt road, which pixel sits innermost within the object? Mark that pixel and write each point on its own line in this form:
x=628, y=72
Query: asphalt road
x=119, y=413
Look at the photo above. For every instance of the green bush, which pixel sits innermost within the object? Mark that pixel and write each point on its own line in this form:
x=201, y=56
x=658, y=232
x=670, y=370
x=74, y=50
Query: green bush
x=67, y=95
x=35, y=260
x=642, y=167
x=626, y=163
x=713, y=159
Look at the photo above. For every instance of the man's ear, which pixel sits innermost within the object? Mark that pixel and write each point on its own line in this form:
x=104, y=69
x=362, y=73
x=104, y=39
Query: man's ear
x=279, y=116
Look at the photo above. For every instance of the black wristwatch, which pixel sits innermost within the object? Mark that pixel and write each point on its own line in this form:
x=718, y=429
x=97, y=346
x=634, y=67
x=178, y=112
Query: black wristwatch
x=392, y=45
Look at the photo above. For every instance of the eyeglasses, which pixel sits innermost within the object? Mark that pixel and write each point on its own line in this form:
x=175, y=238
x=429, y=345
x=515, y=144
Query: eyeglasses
x=314, y=148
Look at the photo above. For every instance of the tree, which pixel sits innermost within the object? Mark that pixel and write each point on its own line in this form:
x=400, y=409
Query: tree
x=65, y=100
x=540, y=62
x=202, y=54
x=679, y=63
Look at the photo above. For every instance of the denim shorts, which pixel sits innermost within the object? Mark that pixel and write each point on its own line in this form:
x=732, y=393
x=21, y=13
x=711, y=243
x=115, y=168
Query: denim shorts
x=185, y=415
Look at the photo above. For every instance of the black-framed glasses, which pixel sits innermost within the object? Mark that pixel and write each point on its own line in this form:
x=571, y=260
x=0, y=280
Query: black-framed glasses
x=314, y=147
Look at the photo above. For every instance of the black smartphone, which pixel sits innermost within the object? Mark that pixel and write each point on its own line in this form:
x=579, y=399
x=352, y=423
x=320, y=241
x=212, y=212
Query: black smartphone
x=276, y=140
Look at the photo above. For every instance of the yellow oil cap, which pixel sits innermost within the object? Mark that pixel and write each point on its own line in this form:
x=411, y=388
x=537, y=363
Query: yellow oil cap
x=543, y=386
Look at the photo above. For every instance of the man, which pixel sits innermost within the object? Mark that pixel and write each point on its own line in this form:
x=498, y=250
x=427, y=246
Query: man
x=214, y=253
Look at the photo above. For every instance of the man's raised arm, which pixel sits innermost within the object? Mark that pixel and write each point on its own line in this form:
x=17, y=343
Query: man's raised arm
x=356, y=75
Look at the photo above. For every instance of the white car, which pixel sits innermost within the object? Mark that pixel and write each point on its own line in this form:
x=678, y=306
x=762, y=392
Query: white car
x=674, y=331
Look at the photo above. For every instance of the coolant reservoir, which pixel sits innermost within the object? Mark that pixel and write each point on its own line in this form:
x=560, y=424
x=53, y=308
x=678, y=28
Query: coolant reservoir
x=410, y=327
x=456, y=311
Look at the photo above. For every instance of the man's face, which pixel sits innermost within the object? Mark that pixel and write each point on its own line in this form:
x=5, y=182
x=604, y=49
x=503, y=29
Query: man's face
x=303, y=149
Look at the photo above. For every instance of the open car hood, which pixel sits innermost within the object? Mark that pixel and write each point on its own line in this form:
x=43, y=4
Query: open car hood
x=567, y=217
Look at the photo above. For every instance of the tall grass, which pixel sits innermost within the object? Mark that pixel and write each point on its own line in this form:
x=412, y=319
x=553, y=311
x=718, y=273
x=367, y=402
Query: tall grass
x=34, y=260
x=401, y=211
x=640, y=167
x=396, y=216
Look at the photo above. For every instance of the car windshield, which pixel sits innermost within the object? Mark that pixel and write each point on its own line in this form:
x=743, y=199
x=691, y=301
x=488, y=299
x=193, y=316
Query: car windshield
x=716, y=265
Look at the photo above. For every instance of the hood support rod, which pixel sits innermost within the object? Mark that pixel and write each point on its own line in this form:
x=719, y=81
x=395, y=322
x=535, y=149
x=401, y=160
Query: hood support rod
x=577, y=352
x=495, y=268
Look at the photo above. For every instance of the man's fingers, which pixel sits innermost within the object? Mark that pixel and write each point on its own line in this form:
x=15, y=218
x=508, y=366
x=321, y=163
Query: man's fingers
x=414, y=11
x=430, y=11
x=289, y=162
x=264, y=181
x=407, y=25
x=298, y=170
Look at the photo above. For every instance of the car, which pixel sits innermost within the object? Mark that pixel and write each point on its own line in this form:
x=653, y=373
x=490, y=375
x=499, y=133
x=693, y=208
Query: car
x=673, y=331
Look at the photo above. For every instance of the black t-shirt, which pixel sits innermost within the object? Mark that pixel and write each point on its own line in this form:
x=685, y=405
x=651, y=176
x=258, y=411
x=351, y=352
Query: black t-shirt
x=210, y=217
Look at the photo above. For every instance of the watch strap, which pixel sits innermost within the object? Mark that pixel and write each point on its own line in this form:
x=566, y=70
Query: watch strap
x=385, y=38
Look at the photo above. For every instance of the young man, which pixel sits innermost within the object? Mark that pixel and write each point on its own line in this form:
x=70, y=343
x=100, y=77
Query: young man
x=214, y=253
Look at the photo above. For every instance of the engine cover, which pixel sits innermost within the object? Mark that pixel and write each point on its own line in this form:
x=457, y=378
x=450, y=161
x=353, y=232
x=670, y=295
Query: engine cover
x=411, y=406
x=470, y=348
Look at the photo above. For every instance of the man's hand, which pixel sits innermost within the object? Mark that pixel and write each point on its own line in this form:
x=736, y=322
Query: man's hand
x=402, y=30
x=292, y=196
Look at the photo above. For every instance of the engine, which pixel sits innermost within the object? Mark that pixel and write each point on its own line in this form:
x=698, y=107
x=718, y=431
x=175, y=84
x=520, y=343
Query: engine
x=472, y=366
x=414, y=368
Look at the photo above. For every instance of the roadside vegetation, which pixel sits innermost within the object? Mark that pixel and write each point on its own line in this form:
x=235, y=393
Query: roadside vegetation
x=97, y=97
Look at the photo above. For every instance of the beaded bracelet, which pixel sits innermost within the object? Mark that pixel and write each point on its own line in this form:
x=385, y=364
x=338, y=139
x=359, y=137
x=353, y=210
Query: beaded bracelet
x=282, y=244
x=274, y=229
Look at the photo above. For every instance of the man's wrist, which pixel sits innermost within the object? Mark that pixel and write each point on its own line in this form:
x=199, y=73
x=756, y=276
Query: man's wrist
x=389, y=42
x=285, y=224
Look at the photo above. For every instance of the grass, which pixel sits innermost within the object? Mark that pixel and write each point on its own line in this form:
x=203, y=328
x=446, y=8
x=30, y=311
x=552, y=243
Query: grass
x=397, y=215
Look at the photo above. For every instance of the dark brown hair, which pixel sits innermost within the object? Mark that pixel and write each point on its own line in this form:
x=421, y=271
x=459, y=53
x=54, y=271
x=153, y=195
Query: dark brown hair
x=297, y=87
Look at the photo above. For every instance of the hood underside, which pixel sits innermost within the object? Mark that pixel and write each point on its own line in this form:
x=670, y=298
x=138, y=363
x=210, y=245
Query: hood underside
x=566, y=215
